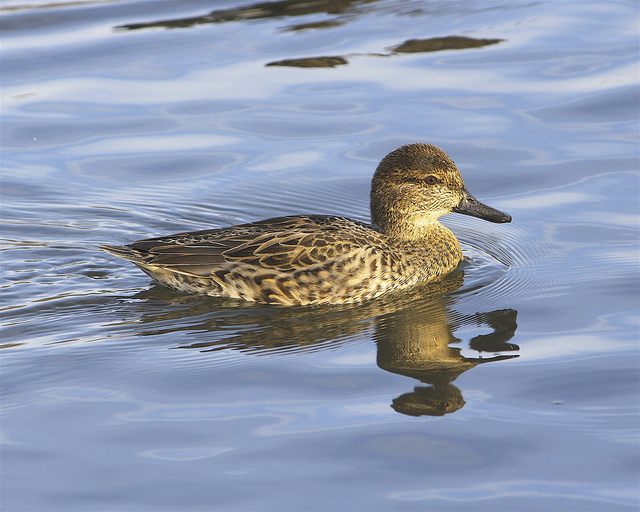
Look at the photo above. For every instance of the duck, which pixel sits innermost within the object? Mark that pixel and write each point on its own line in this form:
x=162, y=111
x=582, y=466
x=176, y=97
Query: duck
x=327, y=259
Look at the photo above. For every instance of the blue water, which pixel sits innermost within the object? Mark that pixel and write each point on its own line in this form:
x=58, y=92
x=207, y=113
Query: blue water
x=123, y=120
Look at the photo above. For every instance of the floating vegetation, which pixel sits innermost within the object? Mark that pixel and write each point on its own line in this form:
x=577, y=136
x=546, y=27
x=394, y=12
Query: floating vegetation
x=434, y=44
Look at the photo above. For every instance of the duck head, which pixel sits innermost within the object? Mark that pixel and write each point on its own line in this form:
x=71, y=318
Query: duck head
x=414, y=185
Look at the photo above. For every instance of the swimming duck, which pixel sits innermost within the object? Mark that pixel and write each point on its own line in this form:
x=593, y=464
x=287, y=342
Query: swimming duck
x=324, y=259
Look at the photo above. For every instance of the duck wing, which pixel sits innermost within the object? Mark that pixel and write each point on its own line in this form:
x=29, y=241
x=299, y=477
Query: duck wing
x=281, y=244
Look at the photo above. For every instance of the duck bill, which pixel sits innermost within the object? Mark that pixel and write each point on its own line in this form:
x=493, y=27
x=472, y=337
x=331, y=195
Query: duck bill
x=469, y=205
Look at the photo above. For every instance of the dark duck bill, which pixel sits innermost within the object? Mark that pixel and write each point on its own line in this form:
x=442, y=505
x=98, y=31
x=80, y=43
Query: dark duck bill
x=469, y=205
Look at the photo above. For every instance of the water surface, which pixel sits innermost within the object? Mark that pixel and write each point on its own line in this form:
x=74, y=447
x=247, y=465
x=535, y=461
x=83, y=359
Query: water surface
x=510, y=385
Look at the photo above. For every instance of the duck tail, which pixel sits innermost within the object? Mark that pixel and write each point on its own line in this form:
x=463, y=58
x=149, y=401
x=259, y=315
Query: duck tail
x=123, y=251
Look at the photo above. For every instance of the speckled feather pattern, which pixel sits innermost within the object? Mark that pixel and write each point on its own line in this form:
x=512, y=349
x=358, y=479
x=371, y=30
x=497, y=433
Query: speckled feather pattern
x=320, y=259
x=305, y=259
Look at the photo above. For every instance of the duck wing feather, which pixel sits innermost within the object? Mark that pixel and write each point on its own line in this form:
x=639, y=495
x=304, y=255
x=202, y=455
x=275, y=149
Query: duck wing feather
x=281, y=244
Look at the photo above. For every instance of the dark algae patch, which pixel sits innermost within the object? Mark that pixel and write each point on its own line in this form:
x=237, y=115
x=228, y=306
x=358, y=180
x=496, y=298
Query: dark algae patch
x=436, y=44
x=311, y=62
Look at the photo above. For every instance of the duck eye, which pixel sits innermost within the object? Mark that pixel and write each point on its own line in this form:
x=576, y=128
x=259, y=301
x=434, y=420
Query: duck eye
x=431, y=180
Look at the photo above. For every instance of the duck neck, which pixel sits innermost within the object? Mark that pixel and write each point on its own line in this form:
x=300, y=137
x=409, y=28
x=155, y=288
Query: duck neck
x=424, y=229
x=404, y=225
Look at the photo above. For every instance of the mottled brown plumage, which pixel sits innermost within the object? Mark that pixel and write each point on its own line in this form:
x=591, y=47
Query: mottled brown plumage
x=320, y=259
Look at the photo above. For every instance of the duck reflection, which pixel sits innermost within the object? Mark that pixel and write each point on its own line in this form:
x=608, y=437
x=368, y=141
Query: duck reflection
x=413, y=332
x=418, y=346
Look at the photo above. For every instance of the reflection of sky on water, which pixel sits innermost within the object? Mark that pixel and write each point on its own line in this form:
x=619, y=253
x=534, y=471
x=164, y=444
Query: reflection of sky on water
x=259, y=83
x=575, y=70
x=582, y=345
x=153, y=144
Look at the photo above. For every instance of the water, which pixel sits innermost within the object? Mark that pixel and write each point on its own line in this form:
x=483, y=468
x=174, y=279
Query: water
x=120, y=395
